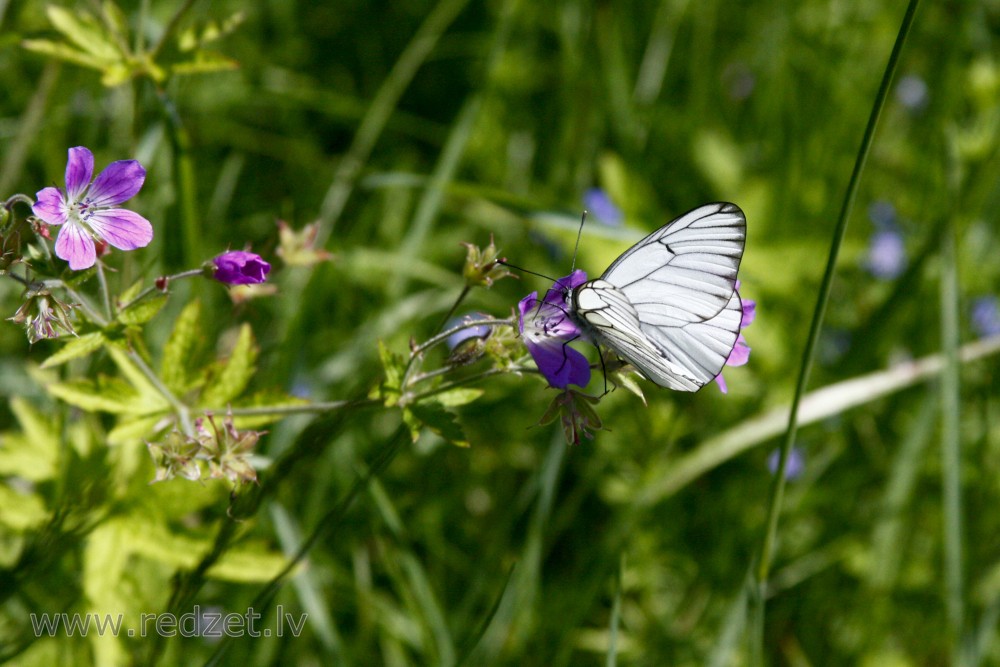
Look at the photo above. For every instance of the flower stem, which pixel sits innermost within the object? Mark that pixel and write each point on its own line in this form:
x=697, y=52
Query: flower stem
x=443, y=336
x=305, y=408
x=169, y=31
x=153, y=288
x=85, y=306
x=182, y=411
x=105, y=294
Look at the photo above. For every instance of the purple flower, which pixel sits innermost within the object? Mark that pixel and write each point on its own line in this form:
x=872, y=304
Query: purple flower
x=603, y=209
x=886, y=253
x=238, y=267
x=794, y=467
x=740, y=353
x=87, y=210
x=986, y=316
x=547, y=331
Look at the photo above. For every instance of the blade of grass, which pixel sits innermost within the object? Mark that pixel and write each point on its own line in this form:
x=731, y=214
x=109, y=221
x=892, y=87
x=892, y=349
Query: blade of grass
x=778, y=487
x=382, y=107
x=616, y=616
x=815, y=406
x=816, y=326
x=951, y=482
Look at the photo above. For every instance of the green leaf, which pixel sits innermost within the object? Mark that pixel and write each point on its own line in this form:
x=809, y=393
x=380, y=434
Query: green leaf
x=148, y=394
x=21, y=512
x=34, y=453
x=180, y=349
x=86, y=32
x=453, y=398
x=248, y=564
x=63, y=51
x=205, y=62
x=235, y=374
x=131, y=429
x=130, y=293
x=76, y=348
x=436, y=418
x=143, y=311
x=393, y=367
x=105, y=394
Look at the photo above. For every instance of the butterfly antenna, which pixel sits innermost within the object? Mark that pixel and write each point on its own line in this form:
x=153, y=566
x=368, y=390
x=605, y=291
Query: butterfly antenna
x=515, y=266
x=579, y=233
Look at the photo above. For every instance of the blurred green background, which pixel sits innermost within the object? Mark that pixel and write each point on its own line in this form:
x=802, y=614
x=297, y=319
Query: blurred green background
x=405, y=128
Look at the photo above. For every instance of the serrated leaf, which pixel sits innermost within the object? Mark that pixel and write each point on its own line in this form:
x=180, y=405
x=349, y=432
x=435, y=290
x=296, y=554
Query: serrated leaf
x=248, y=564
x=149, y=397
x=65, y=52
x=391, y=364
x=76, y=348
x=180, y=348
x=205, y=62
x=34, y=453
x=106, y=394
x=413, y=424
x=21, y=512
x=439, y=420
x=132, y=429
x=143, y=311
x=454, y=398
x=235, y=374
x=85, y=31
x=115, y=20
x=130, y=293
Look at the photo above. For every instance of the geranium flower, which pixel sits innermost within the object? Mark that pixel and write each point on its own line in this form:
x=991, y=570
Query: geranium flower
x=741, y=351
x=547, y=331
x=238, y=267
x=87, y=210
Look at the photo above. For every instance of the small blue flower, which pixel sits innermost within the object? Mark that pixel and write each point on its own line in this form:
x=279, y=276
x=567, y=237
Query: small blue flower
x=795, y=466
x=986, y=316
x=911, y=91
x=886, y=254
x=599, y=205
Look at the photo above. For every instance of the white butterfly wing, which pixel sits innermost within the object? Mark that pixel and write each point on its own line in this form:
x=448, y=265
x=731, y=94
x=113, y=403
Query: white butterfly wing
x=669, y=304
x=686, y=270
x=684, y=358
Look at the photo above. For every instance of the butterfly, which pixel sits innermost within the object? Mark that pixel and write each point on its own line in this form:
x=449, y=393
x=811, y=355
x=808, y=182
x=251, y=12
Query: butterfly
x=669, y=304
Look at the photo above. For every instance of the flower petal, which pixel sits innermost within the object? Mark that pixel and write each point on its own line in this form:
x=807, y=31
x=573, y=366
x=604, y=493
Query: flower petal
x=75, y=246
x=50, y=206
x=124, y=229
x=79, y=169
x=559, y=363
x=721, y=381
x=749, y=312
x=525, y=306
x=119, y=182
x=740, y=353
x=558, y=293
x=239, y=267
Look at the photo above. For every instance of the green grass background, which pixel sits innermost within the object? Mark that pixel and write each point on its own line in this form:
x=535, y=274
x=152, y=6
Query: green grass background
x=405, y=128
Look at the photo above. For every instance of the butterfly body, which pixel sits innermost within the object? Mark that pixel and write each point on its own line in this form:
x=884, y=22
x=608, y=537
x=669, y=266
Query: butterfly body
x=669, y=304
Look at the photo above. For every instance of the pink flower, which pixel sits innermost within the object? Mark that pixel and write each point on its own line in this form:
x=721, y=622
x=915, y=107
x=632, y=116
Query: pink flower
x=87, y=210
x=740, y=353
x=238, y=267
